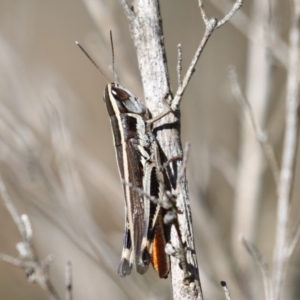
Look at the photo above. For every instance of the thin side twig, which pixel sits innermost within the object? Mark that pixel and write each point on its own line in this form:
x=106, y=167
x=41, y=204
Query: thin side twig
x=261, y=136
x=16, y=261
x=236, y=6
x=179, y=65
x=140, y=191
x=210, y=24
x=262, y=264
x=243, y=24
x=226, y=290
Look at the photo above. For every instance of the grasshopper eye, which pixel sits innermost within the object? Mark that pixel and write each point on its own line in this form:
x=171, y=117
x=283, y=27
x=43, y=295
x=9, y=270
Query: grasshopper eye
x=120, y=94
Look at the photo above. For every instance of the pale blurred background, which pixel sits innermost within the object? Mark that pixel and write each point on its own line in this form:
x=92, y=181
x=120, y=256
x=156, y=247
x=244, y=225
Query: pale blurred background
x=57, y=158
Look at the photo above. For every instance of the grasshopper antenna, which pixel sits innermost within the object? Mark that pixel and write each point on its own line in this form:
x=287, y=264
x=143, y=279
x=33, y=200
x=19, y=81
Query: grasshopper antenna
x=113, y=55
x=90, y=58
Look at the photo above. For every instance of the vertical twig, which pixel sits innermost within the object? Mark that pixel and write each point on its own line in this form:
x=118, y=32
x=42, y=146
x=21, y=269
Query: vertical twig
x=288, y=155
x=251, y=160
x=147, y=34
x=261, y=136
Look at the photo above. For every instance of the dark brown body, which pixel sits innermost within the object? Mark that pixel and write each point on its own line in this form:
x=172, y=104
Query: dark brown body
x=144, y=239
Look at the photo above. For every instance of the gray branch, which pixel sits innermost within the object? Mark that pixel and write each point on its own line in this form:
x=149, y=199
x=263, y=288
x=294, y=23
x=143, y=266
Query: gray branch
x=147, y=35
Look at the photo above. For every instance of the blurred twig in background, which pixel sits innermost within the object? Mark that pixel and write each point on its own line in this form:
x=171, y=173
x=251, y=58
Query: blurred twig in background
x=36, y=270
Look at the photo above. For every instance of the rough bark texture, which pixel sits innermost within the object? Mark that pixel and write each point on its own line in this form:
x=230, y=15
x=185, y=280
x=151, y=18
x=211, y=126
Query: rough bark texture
x=147, y=33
